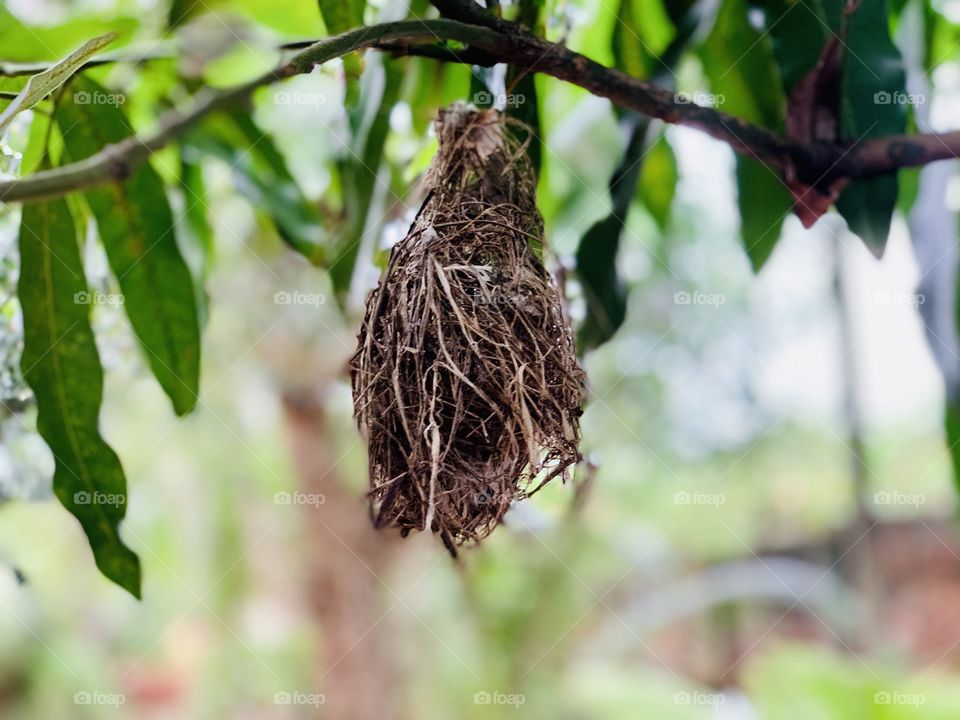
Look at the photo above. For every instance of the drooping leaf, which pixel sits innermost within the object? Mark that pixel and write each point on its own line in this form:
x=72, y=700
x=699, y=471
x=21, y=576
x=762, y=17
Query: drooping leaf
x=596, y=258
x=44, y=83
x=359, y=169
x=261, y=175
x=642, y=31
x=743, y=73
x=36, y=148
x=872, y=89
x=873, y=94
x=951, y=426
x=340, y=16
x=604, y=291
x=523, y=101
x=764, y=205
x=22, y=42
x=199, y=251
x=137, y=230
x=658, y=180
x=62, y=367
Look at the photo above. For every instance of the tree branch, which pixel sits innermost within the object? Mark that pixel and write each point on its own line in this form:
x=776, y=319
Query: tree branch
x=816, y=164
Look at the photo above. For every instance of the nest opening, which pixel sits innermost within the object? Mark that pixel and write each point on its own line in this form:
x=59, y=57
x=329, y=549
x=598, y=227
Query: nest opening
x=465, y=381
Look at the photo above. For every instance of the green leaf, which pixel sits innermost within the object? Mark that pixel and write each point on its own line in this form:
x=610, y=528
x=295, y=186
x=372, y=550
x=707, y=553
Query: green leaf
x=262, y=177
x=42, y=84
x=642, y=31
x=952, y=427
x=137, y=230
x=873, y=89
x=745, y=78
x=61, y=365
x=340, y=16
x=359, y=169
x=37, y=141
x=764, y=204
x=22, y=42
x=872, y=67
x=603, y=289
x=658, y=180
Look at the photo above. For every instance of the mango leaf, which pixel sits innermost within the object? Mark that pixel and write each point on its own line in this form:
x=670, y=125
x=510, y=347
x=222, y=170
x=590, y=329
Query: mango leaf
x=523, y=101
x=36, y=150
x=261, y=175
x=743, y=73
x=951, y=426
x=369, y=124
x=137, y=230
x=596, y=258
x=62, y=367
x=42, y=84
x=872, y=90
x=340, y=16
x=764, y=205
x=872, y=105
x=22, y=42
x=658, y=180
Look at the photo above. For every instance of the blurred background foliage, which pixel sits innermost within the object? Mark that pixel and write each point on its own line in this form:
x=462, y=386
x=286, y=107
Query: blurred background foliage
x=764, y=524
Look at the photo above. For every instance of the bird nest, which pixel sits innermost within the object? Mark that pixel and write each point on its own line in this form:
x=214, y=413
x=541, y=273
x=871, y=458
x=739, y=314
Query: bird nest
x=465, y=381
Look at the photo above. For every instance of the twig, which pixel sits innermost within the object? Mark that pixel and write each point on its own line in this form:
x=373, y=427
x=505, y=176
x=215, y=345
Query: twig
x=816, y=163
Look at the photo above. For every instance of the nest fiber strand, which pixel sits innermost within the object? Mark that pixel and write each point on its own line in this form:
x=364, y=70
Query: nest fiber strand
x=465, y=381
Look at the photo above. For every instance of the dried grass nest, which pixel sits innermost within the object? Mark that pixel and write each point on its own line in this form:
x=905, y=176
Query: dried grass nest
x=465, y=381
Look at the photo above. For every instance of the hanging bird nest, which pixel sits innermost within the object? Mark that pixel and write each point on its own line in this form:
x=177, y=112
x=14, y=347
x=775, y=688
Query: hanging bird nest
x=465, y=381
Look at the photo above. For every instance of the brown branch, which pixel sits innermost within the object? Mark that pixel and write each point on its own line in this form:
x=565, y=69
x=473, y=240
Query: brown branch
x=815, y=163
